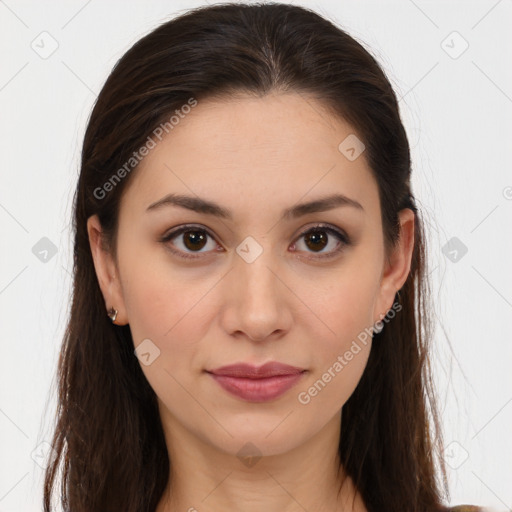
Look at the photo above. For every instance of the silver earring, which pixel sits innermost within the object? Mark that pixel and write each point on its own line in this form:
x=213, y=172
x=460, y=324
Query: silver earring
x=377, y=328
x=112, y=314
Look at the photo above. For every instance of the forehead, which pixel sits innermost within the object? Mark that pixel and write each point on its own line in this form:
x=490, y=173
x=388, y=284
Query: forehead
x=280, y=147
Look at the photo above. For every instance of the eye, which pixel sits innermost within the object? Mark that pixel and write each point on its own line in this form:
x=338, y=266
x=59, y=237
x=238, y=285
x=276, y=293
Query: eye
x=321, y=236
x=195, y=239
x=190, y=238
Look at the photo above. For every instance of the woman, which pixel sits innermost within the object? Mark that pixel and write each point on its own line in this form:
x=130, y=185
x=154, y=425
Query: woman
x=250, y=322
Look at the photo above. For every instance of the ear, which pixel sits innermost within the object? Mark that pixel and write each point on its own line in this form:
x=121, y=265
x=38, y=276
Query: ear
x=106, y=271
x=397, y=266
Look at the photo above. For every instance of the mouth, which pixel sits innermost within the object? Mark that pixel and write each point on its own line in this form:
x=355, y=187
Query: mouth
x=257, y=384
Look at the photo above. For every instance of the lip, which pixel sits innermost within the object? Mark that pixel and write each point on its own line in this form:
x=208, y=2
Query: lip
x=257, y=383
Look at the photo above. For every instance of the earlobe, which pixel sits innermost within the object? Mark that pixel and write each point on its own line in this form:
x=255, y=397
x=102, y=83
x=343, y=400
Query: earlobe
x=106, y=271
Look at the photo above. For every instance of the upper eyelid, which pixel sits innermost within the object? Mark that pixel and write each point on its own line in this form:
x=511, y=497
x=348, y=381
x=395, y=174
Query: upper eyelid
x=336, y=231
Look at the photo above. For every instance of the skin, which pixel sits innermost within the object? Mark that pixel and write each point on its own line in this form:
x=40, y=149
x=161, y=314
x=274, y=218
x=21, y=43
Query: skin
x=287, y=305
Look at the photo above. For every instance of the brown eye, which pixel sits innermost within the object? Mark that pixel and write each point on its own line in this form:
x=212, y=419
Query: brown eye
x=316, y=240
x=320, y=237
x=194, y=240
x=187, y=240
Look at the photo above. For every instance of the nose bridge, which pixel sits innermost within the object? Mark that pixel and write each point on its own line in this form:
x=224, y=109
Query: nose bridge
x=258, y=282
x=253, y=262
x=257, y=305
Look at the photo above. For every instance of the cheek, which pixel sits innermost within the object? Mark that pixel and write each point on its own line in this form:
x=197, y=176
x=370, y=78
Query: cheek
x=151, y=305
x=173, y=310
x=345, y=317
x=171, y=314
x=159, y=298
x=345, y=306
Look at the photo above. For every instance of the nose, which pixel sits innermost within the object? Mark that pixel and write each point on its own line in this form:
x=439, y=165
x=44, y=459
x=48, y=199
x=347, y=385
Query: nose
x=257, y=301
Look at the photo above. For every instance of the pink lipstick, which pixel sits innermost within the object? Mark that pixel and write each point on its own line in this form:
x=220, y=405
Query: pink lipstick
x=257, y=383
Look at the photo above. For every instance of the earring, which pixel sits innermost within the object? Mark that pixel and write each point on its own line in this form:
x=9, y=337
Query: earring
x=378, y=328
x=112, y=314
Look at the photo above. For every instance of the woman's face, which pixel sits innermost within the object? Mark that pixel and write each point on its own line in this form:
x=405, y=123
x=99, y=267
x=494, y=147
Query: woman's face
x=248, y=283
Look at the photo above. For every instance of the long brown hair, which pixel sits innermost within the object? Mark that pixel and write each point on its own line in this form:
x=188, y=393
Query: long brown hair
x=108, y=443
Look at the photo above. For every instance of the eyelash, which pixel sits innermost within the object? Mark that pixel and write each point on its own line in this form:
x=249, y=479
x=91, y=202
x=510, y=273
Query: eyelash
x=340, y=235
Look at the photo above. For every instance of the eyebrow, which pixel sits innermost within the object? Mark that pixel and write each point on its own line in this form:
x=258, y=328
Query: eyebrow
x=199, y=205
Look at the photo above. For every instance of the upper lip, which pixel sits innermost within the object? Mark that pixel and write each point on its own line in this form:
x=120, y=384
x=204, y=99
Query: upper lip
x=249, y=371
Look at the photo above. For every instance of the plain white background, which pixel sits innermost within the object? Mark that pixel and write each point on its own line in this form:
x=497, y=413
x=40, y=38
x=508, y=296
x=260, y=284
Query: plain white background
x=449, y=63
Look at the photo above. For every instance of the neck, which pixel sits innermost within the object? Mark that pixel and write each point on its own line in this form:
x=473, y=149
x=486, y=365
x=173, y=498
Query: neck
x=206, y=479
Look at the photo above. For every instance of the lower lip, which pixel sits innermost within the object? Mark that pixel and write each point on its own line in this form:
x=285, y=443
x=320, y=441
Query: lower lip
x=258, y=390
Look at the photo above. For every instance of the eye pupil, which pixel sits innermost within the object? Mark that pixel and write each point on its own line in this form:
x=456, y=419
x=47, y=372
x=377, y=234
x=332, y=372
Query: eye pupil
x=316, y=237
x=196, y=237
